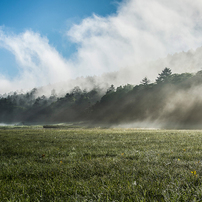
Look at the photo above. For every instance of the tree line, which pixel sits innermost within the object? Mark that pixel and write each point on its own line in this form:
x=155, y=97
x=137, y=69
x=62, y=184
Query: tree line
x=148, y=101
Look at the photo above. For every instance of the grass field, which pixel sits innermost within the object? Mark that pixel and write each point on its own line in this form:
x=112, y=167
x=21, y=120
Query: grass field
x=38, y=164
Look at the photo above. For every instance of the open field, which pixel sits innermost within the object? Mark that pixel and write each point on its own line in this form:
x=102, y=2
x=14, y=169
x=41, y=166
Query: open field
x=38, y=164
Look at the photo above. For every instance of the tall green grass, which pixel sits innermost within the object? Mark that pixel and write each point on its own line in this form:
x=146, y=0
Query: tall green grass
x=100, y=165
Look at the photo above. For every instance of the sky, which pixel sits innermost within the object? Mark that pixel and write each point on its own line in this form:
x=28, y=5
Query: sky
x=48, y=41
x=50, y=18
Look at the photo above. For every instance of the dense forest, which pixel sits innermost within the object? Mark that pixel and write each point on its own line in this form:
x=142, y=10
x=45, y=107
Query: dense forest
x=173, y=100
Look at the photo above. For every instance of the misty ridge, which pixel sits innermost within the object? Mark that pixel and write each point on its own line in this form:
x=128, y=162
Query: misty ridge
x=171, y=101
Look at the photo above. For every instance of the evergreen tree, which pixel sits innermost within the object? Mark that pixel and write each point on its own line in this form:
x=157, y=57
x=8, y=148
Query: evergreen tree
x=164, y=76
x=145, y=81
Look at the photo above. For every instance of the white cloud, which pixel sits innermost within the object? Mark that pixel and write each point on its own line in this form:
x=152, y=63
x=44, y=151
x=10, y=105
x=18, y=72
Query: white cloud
x=140, y=31
x=39, y=63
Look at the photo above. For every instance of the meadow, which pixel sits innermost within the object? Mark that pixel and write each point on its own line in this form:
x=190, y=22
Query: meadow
x=75, y=164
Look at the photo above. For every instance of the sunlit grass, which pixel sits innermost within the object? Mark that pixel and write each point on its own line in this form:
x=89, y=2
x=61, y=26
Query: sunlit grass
x=100, y=165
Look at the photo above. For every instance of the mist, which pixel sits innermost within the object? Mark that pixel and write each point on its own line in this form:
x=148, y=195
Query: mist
x=134, y=42
x=139, y=40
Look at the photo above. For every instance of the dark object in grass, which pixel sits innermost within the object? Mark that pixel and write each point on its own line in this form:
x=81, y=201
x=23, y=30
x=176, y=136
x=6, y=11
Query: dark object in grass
x=61, y=126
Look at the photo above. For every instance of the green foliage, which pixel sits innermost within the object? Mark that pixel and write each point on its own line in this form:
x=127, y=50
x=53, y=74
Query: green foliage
x=111, y=89
x=126, y=103
x=100, y=165
x=164, y=76
x=145, y=81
